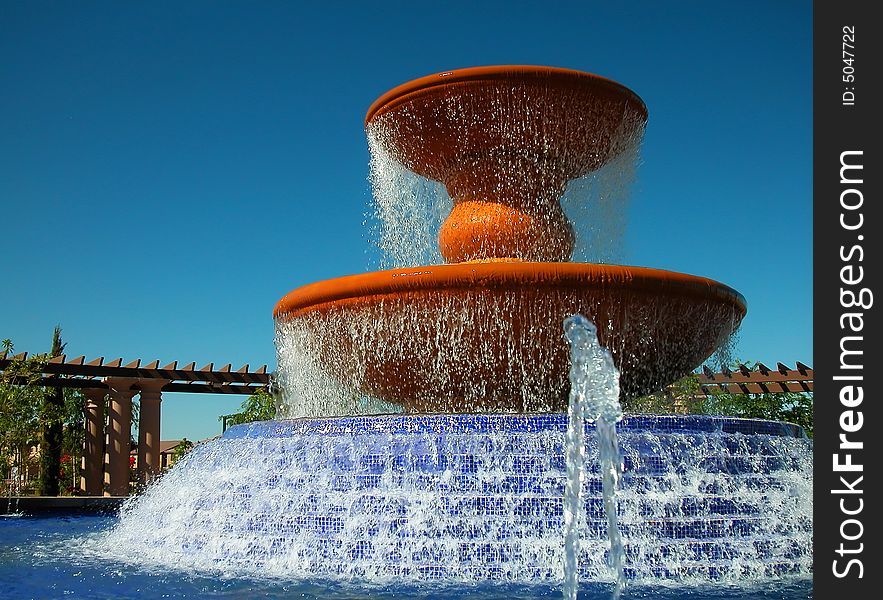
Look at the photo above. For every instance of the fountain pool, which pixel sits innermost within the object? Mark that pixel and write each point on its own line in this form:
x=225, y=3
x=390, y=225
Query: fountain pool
x=51, y=558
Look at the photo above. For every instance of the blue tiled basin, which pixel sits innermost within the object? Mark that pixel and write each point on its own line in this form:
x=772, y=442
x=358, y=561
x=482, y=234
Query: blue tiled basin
x=479, y=497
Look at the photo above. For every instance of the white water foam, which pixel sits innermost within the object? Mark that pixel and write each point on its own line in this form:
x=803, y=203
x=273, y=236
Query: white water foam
x=447, y=500
x=408, y=209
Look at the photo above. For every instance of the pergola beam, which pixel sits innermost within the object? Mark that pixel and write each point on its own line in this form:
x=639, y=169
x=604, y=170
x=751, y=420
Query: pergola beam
x=79, y=373
x=192, y=387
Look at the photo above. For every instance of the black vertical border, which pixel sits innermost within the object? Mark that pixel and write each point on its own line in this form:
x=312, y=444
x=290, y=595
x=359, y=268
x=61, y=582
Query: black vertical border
x=838, y=128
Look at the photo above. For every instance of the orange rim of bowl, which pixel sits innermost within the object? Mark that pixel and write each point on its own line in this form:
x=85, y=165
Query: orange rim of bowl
x=500, y=275
x=566, y=77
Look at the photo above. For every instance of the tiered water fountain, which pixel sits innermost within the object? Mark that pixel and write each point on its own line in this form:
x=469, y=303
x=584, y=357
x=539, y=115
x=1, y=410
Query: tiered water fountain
x=462, y=475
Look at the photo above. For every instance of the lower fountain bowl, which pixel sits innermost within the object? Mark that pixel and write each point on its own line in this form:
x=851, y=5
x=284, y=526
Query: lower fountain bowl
x=477, y=497
x=487, y=336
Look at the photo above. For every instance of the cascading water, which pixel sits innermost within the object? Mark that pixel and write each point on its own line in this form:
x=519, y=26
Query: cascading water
x=465, y=498
x=594, y=396
x=325, y=359
x=408, y=210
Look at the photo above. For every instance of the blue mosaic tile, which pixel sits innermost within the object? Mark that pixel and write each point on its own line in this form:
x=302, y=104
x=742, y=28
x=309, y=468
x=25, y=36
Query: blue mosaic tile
x=511, y=423
x=481, y=496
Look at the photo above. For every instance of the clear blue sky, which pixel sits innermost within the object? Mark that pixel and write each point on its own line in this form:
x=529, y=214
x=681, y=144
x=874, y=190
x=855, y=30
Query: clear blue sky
x=169, y=170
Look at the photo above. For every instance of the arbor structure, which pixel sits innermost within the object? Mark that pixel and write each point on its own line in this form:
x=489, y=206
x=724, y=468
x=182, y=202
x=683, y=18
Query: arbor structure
x=107, y=390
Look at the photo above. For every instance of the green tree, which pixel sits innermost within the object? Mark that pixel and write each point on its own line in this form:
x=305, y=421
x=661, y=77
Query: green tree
x=74, y=434
x=31, y=416
x=260, y=406
x=181, y=450
x=685, y=396
x=21, y=403
x=52, y=426
x=793, y=407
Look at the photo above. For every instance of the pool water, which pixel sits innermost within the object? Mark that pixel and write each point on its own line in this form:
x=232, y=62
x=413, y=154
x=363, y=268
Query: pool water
x=54, y=556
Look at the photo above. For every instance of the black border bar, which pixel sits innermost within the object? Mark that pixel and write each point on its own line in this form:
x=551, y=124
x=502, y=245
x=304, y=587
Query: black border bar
x=847, y=226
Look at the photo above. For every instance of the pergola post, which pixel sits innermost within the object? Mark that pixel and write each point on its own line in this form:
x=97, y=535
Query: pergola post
x=92, y=468
x=119, y=435
x=149, y=428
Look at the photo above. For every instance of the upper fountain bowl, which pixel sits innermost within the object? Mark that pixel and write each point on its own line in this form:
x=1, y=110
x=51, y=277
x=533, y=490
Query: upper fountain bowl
x=505, y=141
x=576, y=119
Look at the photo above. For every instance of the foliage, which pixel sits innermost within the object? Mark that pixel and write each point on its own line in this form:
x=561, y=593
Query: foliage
x=74, y=423
x=52, y=428
x=21, y=402
x=260, y=406
x=181, y=450
x=24, y=414
x=673, y=399
x=792, y=407
x=685, y=396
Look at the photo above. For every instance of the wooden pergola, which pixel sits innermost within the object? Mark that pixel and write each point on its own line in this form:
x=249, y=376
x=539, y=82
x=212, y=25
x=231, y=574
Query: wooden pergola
x=759, y=380
x=112, y=385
